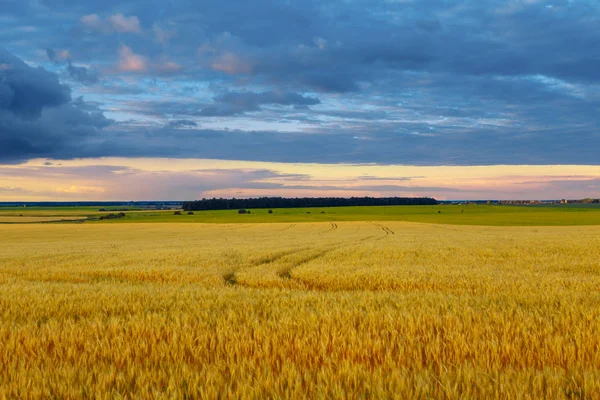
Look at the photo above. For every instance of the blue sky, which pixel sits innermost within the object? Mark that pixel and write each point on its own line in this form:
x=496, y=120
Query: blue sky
x=353, y=82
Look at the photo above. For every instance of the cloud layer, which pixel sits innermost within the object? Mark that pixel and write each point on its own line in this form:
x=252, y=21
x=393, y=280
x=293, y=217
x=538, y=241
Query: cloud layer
x=431, y=82
x=38, y=116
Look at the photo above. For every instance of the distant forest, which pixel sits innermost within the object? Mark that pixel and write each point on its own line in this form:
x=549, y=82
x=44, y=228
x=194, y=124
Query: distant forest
x=304, y=202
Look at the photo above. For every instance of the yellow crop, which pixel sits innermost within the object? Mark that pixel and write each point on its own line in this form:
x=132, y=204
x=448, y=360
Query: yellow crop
x=32, y=219
x=307, y=310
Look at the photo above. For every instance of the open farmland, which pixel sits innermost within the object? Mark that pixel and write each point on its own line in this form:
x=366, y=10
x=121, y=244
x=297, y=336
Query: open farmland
x=487, y=215
x=30, y=220
x=320, y=310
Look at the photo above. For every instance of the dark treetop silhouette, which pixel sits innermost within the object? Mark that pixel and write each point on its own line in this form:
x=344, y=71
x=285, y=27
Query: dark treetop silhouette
x=280, y=202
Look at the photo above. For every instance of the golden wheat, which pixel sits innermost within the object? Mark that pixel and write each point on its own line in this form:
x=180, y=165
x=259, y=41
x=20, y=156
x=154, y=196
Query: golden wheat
x=323, y=310
x=33, y=219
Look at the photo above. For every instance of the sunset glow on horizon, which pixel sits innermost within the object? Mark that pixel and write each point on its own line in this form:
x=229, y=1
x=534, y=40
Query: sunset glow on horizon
x=124, y=179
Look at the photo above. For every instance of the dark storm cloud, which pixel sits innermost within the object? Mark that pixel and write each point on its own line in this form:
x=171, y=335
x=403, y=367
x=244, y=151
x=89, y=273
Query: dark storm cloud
x=25, y=91
x=37, y=116
x=60, y=132
x=420, y=82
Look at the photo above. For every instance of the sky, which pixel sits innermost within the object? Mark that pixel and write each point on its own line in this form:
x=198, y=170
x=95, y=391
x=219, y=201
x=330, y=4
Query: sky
x=185, y=99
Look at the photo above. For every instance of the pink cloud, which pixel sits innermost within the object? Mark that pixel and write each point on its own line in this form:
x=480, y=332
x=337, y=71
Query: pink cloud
x=162, y=35
x=131, y=62
x=123, y=24
x=168, y=67
x=93, y=22
x=231, y=63
x=117, y=23
x=64, y=55
x=228, y=54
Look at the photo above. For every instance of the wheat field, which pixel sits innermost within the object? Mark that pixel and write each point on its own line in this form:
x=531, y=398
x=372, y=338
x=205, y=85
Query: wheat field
x=29, y=219
x=301, y=310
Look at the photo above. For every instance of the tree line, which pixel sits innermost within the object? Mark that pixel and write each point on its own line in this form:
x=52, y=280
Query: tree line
x=303, y=202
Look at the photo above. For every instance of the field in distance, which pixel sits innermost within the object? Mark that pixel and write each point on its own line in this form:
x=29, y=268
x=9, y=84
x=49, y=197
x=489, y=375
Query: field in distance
x=492, y=215
x=299, y=310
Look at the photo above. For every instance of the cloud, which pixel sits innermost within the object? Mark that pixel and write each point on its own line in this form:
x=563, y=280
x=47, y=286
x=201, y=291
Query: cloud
x=418, y=82
x=228, y=54
x=123, y=24
x=55, y=56
x=80, y=190
x=143, y=179
x=320, y=42
x=131, y=62
x=182, y=123
x=26, y=91
x=62, y=130
x=82, y=74
x=136, y=63
x=117, y=23
x=117, y=182
x=233, y=103
x=93, y=22
x=167, y=67
x=270, y=97
x=161, y=34
x=38, y=116
x=231, y=63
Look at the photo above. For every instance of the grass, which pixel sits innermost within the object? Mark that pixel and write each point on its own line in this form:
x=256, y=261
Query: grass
x=489, y=215
x=299, y=310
